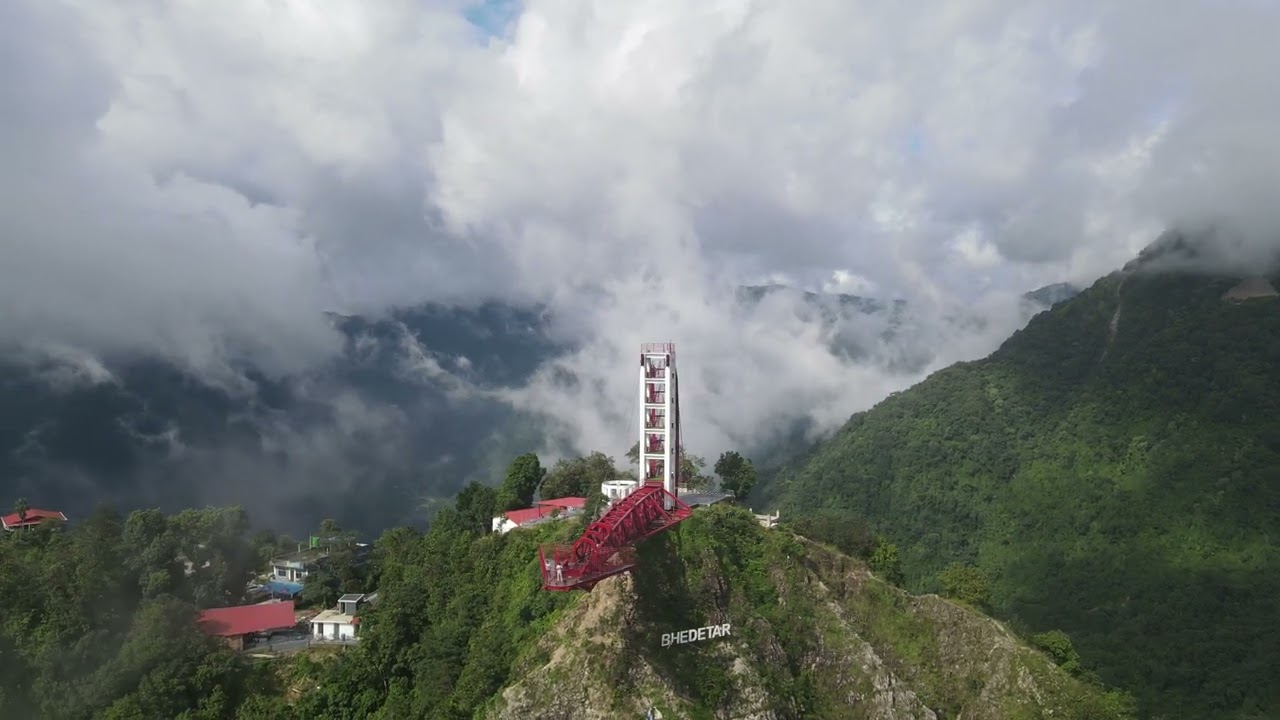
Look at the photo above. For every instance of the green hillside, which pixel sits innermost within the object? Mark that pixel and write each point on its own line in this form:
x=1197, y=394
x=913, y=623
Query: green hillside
x=1113, y=471
x=101, y=624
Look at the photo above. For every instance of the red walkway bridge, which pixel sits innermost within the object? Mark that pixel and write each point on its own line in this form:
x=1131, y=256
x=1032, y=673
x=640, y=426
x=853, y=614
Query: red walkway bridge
x=607, y=547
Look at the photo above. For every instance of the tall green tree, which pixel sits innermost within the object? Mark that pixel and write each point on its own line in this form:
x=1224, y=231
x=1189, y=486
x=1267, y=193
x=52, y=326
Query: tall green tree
x=478, y=505
x=21, y=507
x=524, y=476
x=693, y=474
x=579, y=477
x=884, y=560
x=737, y=474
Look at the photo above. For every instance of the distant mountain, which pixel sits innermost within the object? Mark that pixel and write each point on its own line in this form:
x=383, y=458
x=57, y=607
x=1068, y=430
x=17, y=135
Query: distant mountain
x=396, y=419
x=1051, y=295
x=892, y=334
x=1112, y=470
x=400, y=418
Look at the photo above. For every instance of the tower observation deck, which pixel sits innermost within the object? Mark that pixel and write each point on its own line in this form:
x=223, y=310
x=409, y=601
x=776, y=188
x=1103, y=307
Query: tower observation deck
x=607, y=547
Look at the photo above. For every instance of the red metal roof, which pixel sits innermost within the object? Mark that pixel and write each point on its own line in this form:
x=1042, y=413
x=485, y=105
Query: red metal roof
x=565, y=503
x=245, y=619
x=34, y=516
x=544, y=508
x=521, y=517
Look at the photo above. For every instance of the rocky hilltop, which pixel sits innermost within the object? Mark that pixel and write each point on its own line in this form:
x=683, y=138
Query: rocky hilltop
x=813, y=634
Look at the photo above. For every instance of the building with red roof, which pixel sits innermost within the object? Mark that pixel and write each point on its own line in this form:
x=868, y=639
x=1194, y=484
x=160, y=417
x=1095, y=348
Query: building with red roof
x=541, y=510
x=33, y=517
x=564, y=503
x=233, y=624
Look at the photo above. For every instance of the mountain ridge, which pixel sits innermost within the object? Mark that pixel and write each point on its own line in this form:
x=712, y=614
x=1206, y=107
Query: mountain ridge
x=1112, y=454
x=404, y=414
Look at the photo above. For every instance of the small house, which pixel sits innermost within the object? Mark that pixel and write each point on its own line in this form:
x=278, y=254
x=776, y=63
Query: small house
x=293, y=568
x=296, y=566
x=541, y=510
x=341, y=623
x=29, y=519
x=236, y=625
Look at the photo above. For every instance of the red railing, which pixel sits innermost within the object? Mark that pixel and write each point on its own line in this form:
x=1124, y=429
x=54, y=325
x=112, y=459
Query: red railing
x=607, y=547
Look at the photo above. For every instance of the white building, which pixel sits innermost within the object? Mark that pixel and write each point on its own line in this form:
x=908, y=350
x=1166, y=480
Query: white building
x=767, y=520
x=615, y=490
x=341, y=623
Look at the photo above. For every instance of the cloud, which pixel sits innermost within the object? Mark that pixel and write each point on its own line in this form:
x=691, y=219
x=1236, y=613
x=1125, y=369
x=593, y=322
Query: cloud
x=200, y=182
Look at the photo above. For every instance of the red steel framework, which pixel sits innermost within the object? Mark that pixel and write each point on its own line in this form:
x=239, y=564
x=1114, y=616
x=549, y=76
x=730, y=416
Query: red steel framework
x=607, y=547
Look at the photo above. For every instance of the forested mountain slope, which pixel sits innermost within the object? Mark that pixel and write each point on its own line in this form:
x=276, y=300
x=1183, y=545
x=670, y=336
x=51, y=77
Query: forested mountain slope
x=1113, y=470
x=101, y=624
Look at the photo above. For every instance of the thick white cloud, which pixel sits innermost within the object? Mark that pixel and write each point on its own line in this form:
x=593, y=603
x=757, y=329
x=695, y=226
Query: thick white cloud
x=200, y=179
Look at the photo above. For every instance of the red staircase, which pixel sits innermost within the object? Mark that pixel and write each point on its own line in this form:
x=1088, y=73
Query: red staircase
x=607, y=547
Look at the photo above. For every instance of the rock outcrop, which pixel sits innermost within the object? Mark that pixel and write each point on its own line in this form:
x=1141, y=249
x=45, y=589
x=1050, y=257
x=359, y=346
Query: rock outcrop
x=814, y=634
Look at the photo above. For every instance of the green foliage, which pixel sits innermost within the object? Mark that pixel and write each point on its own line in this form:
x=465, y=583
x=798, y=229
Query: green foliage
x=884, y=561
x=101, y=621
x=799, y=619
x=478, y=505
x=100, y=618
x=340, y=572
x=1105, y=482
x=966, y=583
x=737, y=474
x=524, y=476
x=1057, y=645
x=693, y=473
x=846, y=532
x=579, y=477
x=455, y=612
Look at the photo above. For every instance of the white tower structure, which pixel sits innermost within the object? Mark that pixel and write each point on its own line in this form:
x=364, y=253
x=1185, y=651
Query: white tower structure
x=659, y=417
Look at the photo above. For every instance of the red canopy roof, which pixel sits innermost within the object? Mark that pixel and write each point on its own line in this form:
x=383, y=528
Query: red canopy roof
x=34, y=516
x=521, y=517
x=544, y=508
x=245, y=619
x=565, y=503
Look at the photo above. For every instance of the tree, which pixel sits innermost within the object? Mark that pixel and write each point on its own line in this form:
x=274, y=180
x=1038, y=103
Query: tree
x=964, y=582
x=477, y=505
x=524, y=476
x=692, y=475
x=579, y=477
x=885, y=562
x=1058, y=646
x=845, y=530
x=21, y=507
x=737, y=474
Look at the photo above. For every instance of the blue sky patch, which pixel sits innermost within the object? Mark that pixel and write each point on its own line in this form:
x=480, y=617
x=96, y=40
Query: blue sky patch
x=492, y=16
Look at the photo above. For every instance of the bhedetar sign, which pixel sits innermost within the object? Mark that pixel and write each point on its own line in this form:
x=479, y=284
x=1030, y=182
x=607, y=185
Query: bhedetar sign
x=710, y=632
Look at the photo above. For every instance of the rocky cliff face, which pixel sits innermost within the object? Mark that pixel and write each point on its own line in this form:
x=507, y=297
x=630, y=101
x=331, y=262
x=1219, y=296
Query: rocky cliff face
x=813, y=634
